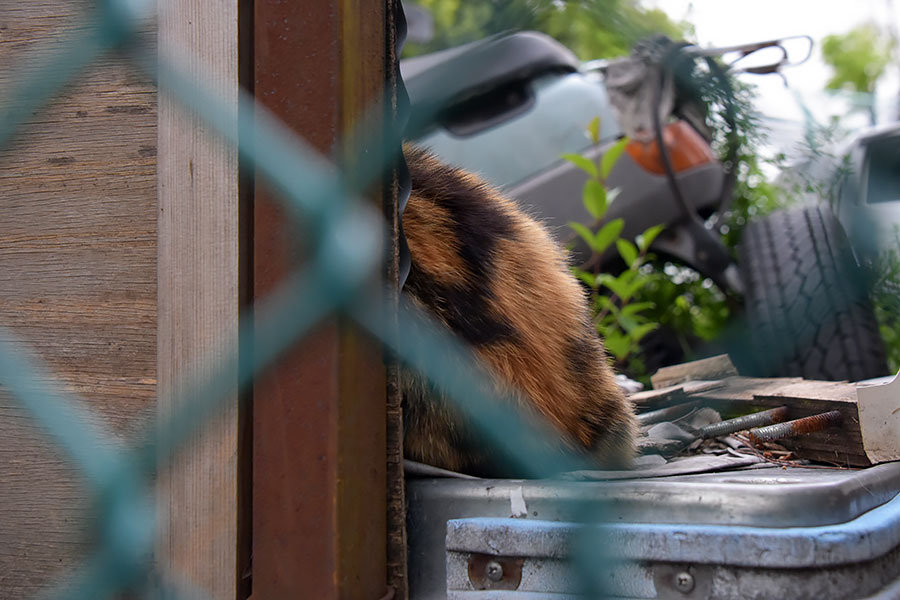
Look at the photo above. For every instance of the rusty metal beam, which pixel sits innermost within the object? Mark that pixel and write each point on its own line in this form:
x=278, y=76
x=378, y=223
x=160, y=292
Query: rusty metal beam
x=319, y=481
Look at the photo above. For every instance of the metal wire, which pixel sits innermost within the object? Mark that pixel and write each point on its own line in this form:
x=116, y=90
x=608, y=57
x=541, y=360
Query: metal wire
x=346, y=237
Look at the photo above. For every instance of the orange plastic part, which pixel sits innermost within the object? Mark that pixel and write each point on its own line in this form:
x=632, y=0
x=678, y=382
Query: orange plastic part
x=686, y=147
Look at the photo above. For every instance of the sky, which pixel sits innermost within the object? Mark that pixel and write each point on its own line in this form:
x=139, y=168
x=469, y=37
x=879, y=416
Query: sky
x=728, y=22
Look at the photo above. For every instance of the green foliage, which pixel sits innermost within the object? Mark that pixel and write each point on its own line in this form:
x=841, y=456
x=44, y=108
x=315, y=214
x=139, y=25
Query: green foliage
x=858, y=60
x=622, y=321
x=590, y=28
x=753, y=196
x=648, y=293
x=884, y=278
x=692, y=308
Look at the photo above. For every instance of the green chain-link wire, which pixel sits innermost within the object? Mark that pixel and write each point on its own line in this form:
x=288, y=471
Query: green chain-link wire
x=347, y=240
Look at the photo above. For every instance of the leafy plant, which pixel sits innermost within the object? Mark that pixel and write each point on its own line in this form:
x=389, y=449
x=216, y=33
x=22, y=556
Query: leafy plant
x=595, y=29
x=648, y=293
x=884, y=281
x=858, y=59
x=620, y=319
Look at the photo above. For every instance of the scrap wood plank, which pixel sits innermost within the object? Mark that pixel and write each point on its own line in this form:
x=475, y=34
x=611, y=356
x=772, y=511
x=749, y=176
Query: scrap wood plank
x=879, y=420
x=671, y=395
x=714, y=367
x=869, y=432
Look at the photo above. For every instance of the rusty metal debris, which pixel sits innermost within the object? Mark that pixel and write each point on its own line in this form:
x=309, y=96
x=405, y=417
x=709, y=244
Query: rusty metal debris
x=796, y=427
x=758, y=419
x=829, y=439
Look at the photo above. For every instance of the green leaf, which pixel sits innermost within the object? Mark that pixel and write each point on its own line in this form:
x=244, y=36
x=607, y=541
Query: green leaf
x=628, y=323
x=611, y=157
x=607, y=304
x=607, y=235
x=614, y=284
x=622, y=286
x=636, y=307
x=645, y=239
x=617, y=344
x=594, y=198
x=638, y=333
x=583, y=163
x=594, y=130
x=632, y=288
x=627, y=276
x=588, y=278
x=583, y=232
x=627, y=251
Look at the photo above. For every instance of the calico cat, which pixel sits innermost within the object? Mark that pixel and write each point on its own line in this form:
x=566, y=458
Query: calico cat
x=495, y=277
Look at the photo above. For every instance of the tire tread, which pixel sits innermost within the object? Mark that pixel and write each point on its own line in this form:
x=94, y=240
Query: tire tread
x=808, y=310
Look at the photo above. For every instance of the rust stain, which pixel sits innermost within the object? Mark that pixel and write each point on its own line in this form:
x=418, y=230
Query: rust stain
x=319, y=463
x=796, y=427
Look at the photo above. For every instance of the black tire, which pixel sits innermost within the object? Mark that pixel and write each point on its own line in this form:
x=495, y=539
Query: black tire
x=808, y=311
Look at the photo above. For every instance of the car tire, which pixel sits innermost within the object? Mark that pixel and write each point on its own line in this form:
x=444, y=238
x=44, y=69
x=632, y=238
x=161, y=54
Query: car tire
x=808, y=311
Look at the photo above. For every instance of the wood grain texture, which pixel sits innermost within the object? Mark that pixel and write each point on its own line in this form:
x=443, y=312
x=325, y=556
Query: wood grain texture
x=198, y=297
x=77, y=282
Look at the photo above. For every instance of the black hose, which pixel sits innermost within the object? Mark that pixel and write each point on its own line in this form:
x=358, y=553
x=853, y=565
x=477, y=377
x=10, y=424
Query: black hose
x=686, y=207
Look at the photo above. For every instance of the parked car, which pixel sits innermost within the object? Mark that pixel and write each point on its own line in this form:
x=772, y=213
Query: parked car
x=510, y=106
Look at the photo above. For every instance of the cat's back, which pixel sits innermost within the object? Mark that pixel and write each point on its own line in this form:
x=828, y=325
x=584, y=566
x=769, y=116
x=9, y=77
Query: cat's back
x=497, y=279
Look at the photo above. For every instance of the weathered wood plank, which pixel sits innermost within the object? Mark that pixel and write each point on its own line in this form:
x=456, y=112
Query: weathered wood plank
x=77, y=282
x=198, y=297
x=714, y=367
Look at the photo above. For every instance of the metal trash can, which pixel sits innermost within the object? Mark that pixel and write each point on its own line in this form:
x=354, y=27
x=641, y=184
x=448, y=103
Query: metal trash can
x=759, y=532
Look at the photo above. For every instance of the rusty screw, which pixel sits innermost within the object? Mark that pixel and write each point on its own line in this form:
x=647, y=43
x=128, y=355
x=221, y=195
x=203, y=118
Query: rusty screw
x=796, y=427
x=684, y=582
x=493, y=570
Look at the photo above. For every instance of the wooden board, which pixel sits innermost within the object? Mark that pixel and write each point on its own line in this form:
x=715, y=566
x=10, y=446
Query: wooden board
x=198, y=298
x=77, y=282
x=714, y=367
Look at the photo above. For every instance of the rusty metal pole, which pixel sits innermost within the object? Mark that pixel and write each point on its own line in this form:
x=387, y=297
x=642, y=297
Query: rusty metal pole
x=319, y=482
x=796, y=427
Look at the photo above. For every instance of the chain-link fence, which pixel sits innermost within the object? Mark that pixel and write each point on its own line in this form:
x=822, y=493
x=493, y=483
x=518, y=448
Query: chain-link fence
x=345, y=254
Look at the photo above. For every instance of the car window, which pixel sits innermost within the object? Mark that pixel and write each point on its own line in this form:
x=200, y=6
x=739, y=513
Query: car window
x=883, y=173
x=553, y=124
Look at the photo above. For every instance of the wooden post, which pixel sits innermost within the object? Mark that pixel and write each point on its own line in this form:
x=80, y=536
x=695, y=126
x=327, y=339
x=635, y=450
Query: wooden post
x=319, y=480
x=198, y=297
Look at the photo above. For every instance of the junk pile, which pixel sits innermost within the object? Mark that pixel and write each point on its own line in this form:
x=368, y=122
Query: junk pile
x=705, y=407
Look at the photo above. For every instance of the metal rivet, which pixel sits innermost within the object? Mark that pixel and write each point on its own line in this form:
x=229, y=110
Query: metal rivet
x=493, y=570
x=684, y=582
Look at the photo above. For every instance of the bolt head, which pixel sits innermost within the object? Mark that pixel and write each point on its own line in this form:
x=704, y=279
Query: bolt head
x=684, y=582
x=493, y=571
